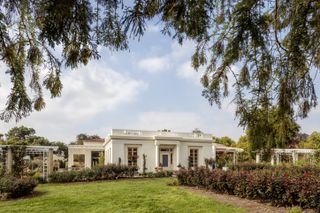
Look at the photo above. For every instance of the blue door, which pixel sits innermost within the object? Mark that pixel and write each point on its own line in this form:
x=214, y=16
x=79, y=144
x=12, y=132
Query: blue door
x=165, y=160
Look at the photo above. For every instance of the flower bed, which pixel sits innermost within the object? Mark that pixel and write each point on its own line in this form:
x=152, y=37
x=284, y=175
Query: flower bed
x=108, y=172
x=280, y=188
x=12, y=187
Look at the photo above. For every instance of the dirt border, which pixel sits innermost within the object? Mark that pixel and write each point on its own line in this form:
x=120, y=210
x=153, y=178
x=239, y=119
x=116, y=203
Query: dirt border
x=253, y=206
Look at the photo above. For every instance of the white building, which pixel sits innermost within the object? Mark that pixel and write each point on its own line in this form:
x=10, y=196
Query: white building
x=162, y=149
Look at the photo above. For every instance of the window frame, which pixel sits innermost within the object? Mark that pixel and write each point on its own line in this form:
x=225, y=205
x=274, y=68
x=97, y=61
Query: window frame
x=77, y=162
x=132, y=160
x=194, y=157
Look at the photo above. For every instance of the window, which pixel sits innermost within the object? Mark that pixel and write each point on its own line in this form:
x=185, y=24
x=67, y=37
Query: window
x=166, y=149
x=132, y=156
x=78, y=160
x=193, y=157
x=96, y=157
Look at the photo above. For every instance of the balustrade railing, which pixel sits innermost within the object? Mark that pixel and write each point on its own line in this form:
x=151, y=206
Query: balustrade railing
x=160, y=133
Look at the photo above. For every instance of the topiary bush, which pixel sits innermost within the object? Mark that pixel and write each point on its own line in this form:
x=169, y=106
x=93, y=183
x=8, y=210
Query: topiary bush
x=11, y=187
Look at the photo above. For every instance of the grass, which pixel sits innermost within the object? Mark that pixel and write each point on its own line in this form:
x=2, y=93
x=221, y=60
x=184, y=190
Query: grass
x=142, y=195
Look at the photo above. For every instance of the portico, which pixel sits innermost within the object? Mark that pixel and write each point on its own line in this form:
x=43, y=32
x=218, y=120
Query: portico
x=167, y=153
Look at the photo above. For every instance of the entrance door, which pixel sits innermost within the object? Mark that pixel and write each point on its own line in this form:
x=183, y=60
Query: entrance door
x=165, y=160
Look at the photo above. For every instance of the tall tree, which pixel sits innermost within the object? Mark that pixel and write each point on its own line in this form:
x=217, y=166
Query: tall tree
x=244, y=144
x=20, y=134
x=269, y=129
x=27, y=136
x=313, y=141
x=62, y=148
x=82, y=137
x=224, y=140
x=31, y=30
x=274, y=42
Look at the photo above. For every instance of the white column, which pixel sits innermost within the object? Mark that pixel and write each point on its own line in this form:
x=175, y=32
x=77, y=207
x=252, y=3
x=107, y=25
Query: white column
x=272, y=159
x=178, y=155
x=234, y=157
x=278, y=158
x=50, y=161
x=111, y=154
x=157, y=155
x=258, y=157
x=87, y=159
x=70, y=158
x=9, y=160
x=214, y=153
x=294, y=157
x=106, y=157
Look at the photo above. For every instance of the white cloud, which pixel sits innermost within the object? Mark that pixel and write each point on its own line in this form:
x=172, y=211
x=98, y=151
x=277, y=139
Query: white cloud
x=182, y=52
x=94, y=91
x=176, y=121
x=87, y=93
x=178, y=59
x=154, y=64
x=154, y=28
x=186, y=71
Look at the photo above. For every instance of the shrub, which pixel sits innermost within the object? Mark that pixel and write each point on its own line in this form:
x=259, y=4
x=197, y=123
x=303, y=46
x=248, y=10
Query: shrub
x=280, y=187
x=11, y=187
x=295, y=210
x=250, y=166
x=159, y=174
x=108, y=172
x=292, y=169
x=173, y=183
x=38, y=178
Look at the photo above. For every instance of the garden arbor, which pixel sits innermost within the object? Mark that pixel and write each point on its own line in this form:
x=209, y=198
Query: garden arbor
x=7, y=152
x=232, y=150
x=276, y=155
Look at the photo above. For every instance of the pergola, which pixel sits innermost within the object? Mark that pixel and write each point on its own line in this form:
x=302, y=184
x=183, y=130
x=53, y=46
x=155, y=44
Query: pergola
x=226, y=149
x=277, y=153
x=45, y=151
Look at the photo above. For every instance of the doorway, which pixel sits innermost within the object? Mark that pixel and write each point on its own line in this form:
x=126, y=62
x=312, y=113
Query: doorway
x=166, y=158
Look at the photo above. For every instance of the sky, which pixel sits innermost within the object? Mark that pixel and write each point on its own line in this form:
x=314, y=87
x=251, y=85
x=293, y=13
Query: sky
x=152, y=86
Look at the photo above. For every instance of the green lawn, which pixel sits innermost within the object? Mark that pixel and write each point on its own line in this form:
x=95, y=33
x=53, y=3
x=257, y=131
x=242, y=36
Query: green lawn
x=142, y=195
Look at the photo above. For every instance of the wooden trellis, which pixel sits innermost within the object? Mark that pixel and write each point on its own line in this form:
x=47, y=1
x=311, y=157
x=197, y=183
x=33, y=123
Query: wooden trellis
x=45, y=151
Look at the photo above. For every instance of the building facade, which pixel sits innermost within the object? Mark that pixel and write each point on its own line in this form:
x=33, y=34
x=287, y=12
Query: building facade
x=85, y=155
x=159, y=149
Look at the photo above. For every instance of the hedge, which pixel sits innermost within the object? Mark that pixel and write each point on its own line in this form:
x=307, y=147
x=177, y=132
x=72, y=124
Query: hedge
x=12, y=187
x=279, y=188
x=292, y=169
x=108, y=172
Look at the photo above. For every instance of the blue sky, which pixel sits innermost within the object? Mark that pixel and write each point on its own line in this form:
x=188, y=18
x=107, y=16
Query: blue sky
x=152, y=86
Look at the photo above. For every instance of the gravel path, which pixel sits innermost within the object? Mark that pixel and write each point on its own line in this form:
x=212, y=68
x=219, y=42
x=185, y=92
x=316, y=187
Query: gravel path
x=253, y=206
